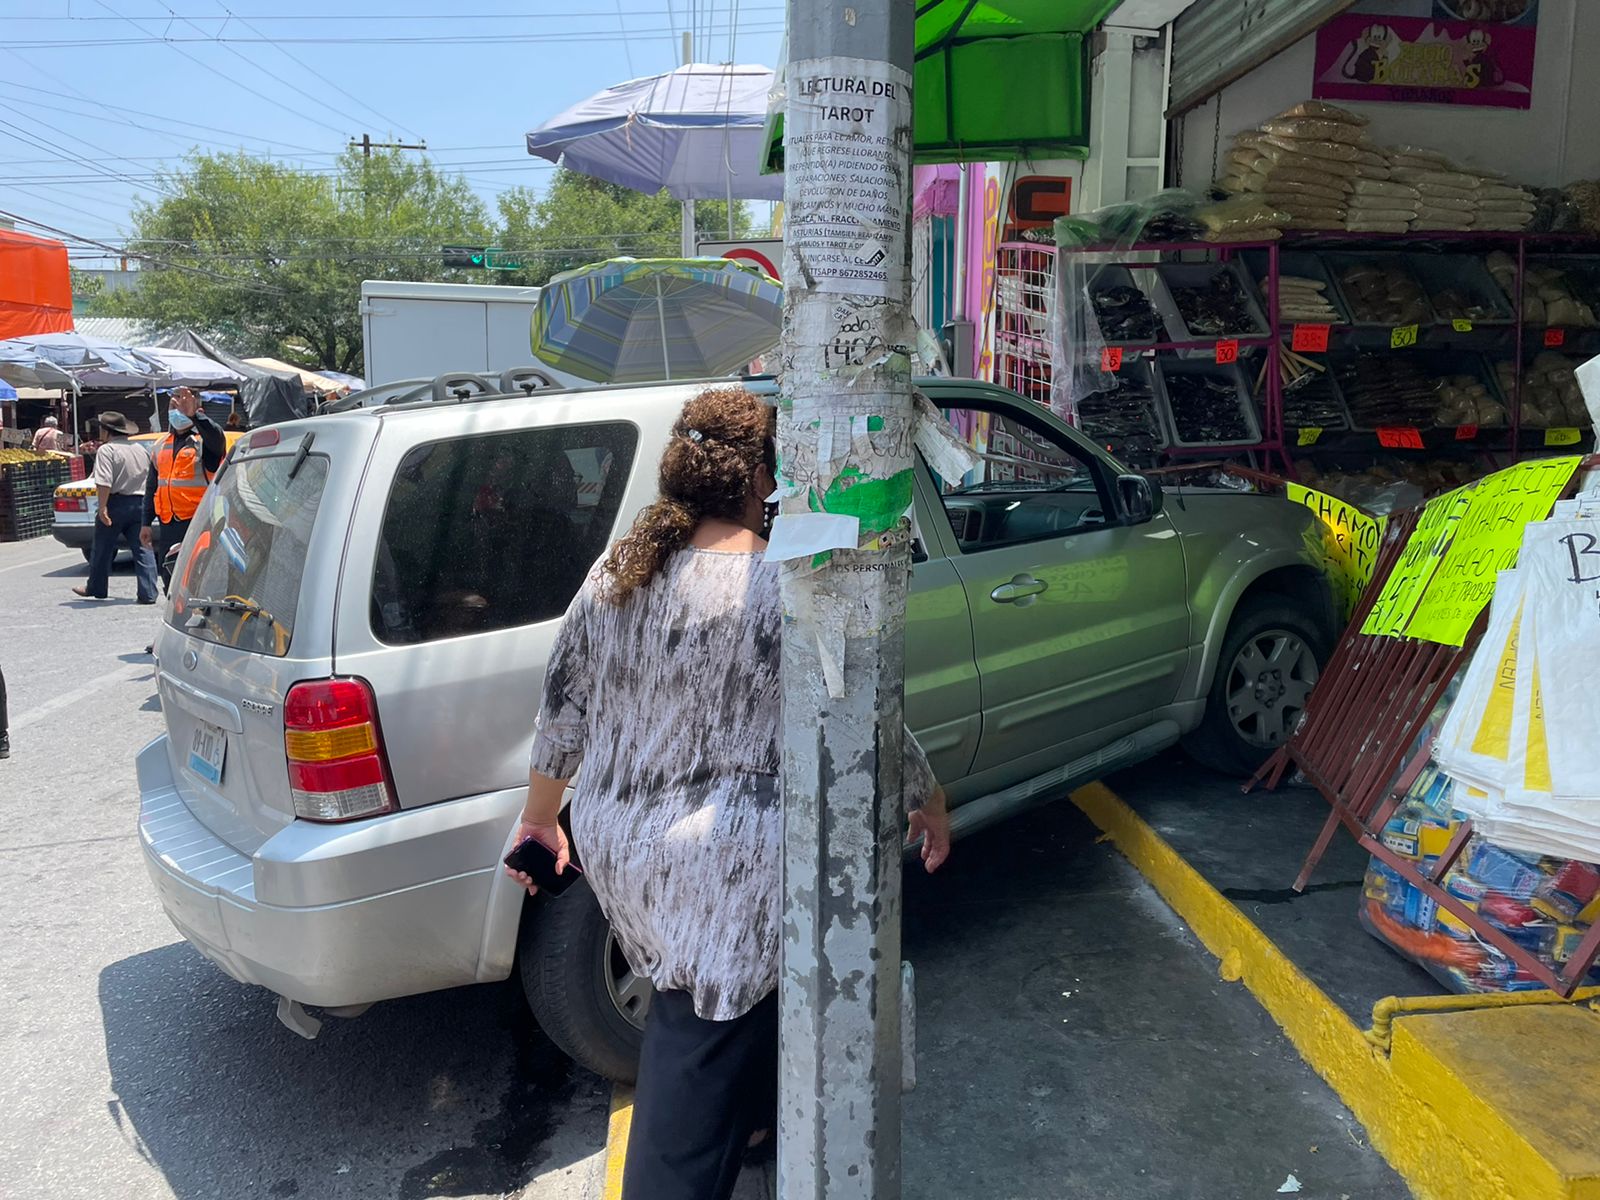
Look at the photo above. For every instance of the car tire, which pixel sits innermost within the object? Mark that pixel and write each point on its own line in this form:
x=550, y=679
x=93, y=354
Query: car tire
x=579, y=986
x=1270, y=659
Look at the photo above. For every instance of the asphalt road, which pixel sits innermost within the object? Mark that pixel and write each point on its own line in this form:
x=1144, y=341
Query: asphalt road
x=1073, y=1037
x=131, y=1067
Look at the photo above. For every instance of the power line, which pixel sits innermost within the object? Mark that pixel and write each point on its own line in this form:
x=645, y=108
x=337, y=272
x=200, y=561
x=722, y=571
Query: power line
x=201, y=64
x=711, y=29
x=303, y=65
x=18, y=133
x=249, y=137
x=367, y=17
x=249, y=285
x=627, y=46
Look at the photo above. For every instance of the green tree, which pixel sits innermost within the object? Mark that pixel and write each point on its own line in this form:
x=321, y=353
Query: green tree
x=579, y=220
x=269, y=258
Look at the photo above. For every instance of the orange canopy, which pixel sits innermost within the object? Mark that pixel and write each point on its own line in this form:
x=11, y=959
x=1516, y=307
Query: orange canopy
x=35, y=286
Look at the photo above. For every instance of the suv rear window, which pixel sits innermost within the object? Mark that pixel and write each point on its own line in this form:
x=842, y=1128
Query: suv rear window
x=239, y=583
x=497, y=530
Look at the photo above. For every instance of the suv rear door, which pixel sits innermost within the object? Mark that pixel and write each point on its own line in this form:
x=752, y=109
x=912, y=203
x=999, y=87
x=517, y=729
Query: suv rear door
x=1079, y=620
x=473, y=532
x=267, y=537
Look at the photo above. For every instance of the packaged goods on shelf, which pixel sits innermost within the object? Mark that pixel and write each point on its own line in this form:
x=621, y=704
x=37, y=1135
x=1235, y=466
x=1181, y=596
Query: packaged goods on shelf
x=1206, y=300
x=1122, y=310
x=1206, y=404
x=1122, y=417
x=1304, y=300
x=1389, y=485
x=1467, y=400
x=1313, y=402
x=1460, y=288
x=1381, y=291
x=1387, y=390
x=1551, y=397
x=1551, y=299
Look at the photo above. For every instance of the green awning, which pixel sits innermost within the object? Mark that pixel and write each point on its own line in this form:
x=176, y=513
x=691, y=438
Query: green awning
x=997, y=80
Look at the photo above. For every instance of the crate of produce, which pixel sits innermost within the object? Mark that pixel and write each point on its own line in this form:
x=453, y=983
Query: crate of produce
x=1206, y=403
x=1123, y=309
x=1306, y=292
x=1460, y=287
x=1207, y=302
x=27, y=492
x=1379, y=291
x=1124, y=418
x=1417, y=390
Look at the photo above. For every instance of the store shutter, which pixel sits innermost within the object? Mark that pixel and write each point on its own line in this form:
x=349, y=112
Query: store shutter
x=1218, y=41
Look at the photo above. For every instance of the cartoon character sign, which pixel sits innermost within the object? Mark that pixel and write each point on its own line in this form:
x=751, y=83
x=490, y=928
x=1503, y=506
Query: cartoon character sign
x=1425, y=60
x=1370, y=54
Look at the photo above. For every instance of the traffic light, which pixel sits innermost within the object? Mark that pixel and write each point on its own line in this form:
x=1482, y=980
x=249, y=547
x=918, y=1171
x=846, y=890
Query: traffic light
x=471, y=257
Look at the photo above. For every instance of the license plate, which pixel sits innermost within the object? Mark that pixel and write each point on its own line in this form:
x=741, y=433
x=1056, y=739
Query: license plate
x=207, y=748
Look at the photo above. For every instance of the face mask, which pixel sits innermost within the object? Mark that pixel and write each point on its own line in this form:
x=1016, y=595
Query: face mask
x=176, y=421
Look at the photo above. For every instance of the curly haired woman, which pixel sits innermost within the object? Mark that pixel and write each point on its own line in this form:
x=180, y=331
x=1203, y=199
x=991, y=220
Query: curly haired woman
x=664, y=684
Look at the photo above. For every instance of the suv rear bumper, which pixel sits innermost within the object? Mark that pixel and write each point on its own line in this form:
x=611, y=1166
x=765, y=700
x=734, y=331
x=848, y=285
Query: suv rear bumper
x=346, y=949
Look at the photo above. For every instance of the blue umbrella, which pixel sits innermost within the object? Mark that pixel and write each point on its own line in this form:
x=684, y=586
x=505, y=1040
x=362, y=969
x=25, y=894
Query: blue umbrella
x=636, y=320
x=7, y=392
x=696, y=131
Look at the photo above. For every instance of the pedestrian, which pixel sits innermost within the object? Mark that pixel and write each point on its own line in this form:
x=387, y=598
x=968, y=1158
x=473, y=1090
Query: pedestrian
x=120, y=470
x=181, y=468
x=48, y=435
x=663, y=683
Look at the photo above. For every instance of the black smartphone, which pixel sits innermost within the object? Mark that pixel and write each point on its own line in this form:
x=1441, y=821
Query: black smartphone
x=533, y=858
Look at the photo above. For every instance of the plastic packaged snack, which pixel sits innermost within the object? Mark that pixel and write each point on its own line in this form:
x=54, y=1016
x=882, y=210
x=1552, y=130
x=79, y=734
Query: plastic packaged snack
x=1421, y=152
x=1368, y=225
x=1277, y=186
x=1378, y=187
x=1331, y=150
x=1274, y=153
x=1315, y=129
x=1369, y=171
x=1387, y=216
x=1447, y=203
x=1443, y=179
x=1239, y=214
x=1333, y=184
x=1322, y=111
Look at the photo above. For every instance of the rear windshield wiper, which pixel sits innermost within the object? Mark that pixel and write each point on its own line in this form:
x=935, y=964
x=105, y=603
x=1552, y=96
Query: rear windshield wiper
x=204, y=604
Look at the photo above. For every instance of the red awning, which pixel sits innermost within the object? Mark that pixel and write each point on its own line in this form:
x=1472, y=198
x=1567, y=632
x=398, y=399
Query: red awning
x=35, y=285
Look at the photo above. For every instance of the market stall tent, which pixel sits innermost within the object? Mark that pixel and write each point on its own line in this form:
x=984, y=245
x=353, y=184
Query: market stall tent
x=35, y=285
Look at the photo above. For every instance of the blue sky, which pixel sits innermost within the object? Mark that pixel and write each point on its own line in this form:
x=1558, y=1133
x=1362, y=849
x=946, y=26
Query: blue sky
x=267, y=77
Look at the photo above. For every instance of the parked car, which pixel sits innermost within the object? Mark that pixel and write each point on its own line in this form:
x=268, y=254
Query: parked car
x=77, y=504
x=354, y=649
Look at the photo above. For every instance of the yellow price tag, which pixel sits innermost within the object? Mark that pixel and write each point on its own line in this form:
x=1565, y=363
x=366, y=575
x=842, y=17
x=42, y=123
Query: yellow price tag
x=1310, y=434
x=1562, y=437
x=1461, y=326
x=1402, y=336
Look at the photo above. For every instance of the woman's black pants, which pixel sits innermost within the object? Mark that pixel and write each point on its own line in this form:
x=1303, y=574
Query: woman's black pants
x=704, y=1088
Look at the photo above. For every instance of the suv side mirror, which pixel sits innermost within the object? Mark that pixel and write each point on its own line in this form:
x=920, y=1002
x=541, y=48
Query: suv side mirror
x=1140, y=497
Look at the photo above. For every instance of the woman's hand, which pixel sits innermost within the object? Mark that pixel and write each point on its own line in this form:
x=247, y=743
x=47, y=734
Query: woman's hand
x=931, y=823
x=550, y=836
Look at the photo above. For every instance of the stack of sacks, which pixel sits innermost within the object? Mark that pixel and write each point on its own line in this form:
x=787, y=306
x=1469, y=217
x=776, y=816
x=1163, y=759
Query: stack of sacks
x=1305, y=162
x=1459, y=199
x=1383, y=206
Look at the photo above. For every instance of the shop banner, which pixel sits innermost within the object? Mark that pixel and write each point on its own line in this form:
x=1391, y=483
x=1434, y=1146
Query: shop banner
x=1349, y=544
x=1430, y=60
x=1446, y=574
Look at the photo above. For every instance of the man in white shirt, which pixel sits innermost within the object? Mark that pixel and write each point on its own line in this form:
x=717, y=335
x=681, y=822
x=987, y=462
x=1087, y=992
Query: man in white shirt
x=48, y=435
x=120, y=469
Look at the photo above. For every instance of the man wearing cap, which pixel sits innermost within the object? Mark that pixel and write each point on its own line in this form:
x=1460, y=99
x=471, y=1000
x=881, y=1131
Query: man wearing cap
x=120, y=470
x=182, y=466
x=48, y=435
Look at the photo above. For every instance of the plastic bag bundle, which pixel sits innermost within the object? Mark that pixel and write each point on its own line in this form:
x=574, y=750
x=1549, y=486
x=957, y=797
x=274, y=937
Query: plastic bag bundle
x=1322, y=111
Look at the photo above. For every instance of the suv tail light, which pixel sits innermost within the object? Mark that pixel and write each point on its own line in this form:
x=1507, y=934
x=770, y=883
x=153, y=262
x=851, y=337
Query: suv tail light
x=71, y=504
x=338, y=770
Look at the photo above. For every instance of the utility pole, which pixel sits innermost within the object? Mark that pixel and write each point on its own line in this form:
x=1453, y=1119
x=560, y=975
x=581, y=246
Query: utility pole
x=689, y=243
x=845, y=446
x=368, y=145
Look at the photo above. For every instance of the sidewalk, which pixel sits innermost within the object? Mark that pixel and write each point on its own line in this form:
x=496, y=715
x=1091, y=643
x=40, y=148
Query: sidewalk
x=1075, y=1040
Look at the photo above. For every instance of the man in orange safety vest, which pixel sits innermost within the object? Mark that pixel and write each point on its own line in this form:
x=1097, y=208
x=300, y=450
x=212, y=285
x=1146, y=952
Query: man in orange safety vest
x=181, y=466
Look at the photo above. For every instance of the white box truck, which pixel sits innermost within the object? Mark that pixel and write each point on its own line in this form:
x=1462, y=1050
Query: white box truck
x=423, y=330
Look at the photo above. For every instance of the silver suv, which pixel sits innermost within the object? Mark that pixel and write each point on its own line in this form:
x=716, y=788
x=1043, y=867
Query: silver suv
x=360, y=619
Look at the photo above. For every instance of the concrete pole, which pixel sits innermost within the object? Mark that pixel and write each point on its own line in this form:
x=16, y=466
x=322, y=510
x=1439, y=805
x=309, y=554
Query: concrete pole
x=845, y=451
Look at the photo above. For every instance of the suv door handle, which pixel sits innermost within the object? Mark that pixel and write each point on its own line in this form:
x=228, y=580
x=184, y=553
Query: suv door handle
x=1021, y=591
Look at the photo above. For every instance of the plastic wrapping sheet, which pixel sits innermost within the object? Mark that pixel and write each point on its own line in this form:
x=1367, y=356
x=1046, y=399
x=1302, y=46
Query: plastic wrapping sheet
x=1088, y=242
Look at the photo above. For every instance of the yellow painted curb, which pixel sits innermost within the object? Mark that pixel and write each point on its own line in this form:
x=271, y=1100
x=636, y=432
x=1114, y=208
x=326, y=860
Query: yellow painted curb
x=1444, y=1139
x=617, y=1127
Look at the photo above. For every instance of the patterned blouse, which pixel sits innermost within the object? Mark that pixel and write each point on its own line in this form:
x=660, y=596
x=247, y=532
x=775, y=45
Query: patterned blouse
x=671, y=702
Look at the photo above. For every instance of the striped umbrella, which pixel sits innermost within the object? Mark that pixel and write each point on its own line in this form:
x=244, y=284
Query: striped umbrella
x=635, y=320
